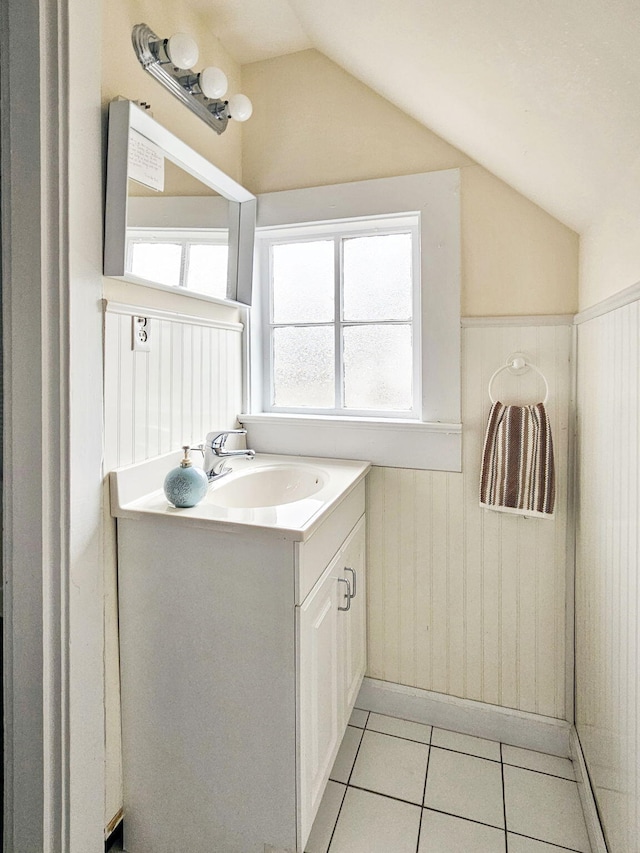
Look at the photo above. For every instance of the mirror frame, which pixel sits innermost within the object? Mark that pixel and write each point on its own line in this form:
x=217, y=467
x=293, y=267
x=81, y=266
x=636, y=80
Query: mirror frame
x=125, y=116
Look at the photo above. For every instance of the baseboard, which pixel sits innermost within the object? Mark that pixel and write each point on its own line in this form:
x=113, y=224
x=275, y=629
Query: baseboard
x=587, y=798
x=517, y=728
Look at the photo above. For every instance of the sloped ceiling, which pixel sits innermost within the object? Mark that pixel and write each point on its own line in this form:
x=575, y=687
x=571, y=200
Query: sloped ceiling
x=544, y=93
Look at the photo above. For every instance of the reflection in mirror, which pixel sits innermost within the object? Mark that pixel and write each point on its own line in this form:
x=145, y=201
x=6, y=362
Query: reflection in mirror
x=173, y=220
x=179, y=237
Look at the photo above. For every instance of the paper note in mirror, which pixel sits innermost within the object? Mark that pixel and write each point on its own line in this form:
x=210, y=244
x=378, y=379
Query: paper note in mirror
x=146, y=162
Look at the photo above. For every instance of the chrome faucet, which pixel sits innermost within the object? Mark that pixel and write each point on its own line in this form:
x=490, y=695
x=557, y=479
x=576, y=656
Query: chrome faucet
x=216, y=444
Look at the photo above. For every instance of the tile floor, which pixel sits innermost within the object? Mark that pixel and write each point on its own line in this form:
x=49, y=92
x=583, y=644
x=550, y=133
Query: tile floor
x=402, y=787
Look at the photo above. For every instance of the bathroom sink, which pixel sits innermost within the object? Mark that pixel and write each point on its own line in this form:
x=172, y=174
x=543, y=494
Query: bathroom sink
x=288, y=494
x=269, y=485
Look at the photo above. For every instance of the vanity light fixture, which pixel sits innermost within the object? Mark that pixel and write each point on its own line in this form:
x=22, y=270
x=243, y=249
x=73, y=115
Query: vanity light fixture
x=170, y=61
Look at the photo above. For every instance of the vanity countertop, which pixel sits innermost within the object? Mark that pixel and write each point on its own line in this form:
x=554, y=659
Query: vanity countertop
x=137, y=493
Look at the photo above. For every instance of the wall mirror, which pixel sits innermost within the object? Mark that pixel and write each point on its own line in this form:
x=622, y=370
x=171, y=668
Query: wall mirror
x=173, y=220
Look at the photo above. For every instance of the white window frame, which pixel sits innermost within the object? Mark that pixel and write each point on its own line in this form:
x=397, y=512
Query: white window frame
x=337, y=232
x=432, y=440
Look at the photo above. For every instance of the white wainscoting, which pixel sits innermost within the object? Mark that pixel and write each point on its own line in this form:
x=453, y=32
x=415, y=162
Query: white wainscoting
x=187, y=385
x=463, y=601
x=608, y=556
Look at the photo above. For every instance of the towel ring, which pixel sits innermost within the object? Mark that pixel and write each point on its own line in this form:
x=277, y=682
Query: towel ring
x=518, y=363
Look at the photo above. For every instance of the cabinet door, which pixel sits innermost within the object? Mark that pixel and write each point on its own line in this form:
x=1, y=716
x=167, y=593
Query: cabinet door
x=353, y=623
x=320, y=681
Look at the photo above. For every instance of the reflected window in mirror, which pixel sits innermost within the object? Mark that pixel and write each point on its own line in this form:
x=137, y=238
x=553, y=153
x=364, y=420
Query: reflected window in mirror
x=192, y=259
x=160, y=249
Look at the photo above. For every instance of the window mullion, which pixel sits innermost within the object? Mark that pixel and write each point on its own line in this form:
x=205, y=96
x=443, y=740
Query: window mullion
x=338, y=322
x=183, y=265
x=267, y=307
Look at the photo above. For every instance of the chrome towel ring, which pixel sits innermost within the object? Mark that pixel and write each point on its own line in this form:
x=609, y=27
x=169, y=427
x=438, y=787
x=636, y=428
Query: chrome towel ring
x=517, y=364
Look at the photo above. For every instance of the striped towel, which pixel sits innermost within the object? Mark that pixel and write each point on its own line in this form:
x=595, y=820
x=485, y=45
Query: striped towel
x=517, y=461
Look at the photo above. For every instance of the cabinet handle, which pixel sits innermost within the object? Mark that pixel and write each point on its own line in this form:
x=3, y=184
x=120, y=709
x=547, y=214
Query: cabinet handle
x=355, y=590
x=348, y=607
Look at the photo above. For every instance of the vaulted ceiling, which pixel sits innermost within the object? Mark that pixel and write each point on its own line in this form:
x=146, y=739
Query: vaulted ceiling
x=544, y=93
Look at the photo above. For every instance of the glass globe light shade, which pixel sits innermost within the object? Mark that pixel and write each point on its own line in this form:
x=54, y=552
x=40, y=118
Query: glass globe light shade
x=182, y=50
x=240, y=107
x=213, y=82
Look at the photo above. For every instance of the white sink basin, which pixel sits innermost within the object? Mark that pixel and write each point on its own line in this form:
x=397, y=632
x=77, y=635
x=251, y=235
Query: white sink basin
x=268, y=485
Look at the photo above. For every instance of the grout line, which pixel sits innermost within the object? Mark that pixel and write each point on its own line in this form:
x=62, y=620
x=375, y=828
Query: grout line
x=540, y=772
x=470, y=754
x=504, y=804
x=424, y=792
x=333, y=831
x=356, y=756
x=544, y=841
x=537, y=752
x=388, y=796
x=346, y=786
x=398, y=737
x=451, y=814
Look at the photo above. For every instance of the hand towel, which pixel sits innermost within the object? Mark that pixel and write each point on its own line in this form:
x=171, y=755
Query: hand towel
x=518, y=473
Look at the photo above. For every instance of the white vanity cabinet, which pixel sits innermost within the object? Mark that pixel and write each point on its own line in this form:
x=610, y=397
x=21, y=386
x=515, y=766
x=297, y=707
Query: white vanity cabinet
x=238, y=671
x=331, y=650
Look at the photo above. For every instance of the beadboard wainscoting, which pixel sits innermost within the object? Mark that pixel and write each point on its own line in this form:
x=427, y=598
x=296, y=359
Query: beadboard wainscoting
x=464, y=601
x=189, y=383
x=608, y=555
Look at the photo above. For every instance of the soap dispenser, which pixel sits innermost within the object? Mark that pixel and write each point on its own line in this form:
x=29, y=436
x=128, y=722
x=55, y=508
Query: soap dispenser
x=185, y=485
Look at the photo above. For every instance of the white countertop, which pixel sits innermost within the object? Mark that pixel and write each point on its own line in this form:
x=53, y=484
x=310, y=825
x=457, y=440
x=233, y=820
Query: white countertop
x=137, y=493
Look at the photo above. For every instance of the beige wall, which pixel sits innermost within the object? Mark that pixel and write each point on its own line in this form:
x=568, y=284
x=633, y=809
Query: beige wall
x=315, y=124
x=610, y=249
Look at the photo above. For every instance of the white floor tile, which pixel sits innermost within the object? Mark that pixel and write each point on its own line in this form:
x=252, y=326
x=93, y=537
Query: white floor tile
x=466, y=786
x=326, y=818
x=369, y=823
x=400, y=728
x=442, y=833
x=538, y=761
x=545, y=808
x=358, y=718
x=518, y=844
x=346, y=755
x=392, y=766
x=466, y=743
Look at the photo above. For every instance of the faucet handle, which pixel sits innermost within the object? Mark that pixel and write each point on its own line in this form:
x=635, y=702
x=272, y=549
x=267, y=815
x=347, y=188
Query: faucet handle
x=220, y=439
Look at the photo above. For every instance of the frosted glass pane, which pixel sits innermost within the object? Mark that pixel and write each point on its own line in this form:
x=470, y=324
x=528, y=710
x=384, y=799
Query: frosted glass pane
x=377, y=277
x=303, y=276
x=207, y=269
x=303, y=371
x=378, y=368
x=159, y=262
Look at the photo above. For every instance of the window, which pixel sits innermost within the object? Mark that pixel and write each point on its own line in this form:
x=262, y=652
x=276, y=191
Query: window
x=340, y=364
x=180, y=258
x=341, y=317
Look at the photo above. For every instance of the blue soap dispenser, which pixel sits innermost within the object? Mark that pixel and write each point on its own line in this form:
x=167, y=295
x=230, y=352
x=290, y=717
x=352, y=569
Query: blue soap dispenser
x=185, y=486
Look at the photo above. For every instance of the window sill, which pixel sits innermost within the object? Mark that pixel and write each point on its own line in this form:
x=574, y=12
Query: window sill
x=388, y=442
